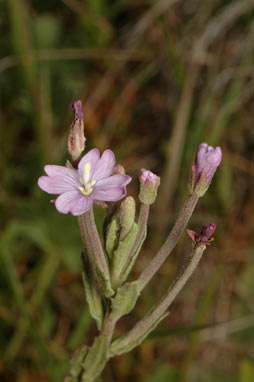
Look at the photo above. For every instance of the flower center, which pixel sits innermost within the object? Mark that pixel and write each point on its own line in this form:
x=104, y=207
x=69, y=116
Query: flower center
x=87, y=187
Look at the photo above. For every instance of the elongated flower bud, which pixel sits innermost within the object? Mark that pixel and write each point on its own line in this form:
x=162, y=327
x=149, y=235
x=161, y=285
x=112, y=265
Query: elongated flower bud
x=127, y=215
x=206, y=163
x=149, y=183
x=76, y=140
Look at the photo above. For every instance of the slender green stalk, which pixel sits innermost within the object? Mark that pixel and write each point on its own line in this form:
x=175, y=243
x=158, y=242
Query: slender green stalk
x=170, y=242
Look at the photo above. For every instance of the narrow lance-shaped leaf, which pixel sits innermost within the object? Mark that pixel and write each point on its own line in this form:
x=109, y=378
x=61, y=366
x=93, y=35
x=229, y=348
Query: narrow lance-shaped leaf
x=92, y=293
x=95, y=360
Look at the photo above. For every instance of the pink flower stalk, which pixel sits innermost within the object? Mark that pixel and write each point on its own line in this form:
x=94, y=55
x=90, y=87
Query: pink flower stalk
x=92, y=181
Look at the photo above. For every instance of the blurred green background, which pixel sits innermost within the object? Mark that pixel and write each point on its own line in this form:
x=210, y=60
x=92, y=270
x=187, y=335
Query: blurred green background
x=156, y=78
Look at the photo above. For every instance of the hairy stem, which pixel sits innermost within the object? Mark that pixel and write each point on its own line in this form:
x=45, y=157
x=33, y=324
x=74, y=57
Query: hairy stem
x=95, y=242
x=170, y=242
x=108, y=327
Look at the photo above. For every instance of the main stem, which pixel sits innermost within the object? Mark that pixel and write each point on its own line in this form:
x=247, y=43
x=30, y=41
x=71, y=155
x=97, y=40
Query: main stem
x=171, y=241
x=108, y=327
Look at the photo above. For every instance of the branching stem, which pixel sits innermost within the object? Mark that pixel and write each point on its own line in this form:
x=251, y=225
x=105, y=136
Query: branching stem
x=129, y=341
x=170, y=242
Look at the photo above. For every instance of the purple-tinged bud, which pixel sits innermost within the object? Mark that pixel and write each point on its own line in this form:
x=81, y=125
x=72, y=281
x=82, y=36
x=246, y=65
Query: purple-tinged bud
x=206, y=163
x=205, y=235
x=119, y=169
x=76, y=140
x=207, y=231
x=149, y=183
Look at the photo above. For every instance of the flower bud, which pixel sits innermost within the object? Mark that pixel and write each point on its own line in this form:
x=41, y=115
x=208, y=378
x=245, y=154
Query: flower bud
x=149, y=183
x=76, y=140
x=207, y=231
x=206, y=163
x=127, y=215
x=119, y=169
x=205, y=235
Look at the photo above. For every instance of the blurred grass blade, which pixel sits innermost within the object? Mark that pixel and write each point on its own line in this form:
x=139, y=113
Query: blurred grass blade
x=246, y=372
x=23, y=49
x=178, y=331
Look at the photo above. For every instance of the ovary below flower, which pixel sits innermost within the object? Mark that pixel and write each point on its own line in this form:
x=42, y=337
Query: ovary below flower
x=93, y=180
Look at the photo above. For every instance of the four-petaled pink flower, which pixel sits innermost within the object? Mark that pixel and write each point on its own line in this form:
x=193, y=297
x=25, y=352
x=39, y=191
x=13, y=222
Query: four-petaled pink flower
x=93, y=180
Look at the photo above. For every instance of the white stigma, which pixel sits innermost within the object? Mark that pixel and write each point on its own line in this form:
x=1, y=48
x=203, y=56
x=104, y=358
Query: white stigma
x=87, y=189
x=86, y=172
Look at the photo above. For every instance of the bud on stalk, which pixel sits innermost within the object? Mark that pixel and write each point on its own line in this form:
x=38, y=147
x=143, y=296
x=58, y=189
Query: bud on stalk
x=205, y=235
x=76, y=140
x=206, y=163
x=149, y=183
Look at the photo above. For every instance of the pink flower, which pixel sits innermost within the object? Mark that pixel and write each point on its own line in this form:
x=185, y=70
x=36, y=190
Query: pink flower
x=93, y=180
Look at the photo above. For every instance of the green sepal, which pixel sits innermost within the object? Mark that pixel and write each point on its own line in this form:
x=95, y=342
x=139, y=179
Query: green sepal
x=121, y=254
x=148, y=191
x=126, y=271
x=92, y=294
x=77, y=360
x=125, y=299
x=95, y=360
x=112, y=236
x=202, y=185
x=126, y=343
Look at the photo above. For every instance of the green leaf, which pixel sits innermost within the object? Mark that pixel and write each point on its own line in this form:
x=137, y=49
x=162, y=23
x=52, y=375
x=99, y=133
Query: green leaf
x=127, y=216
x=92, y=293
x=125, y=299
x=127, y=342
x=96, y=359
x=121, y=254
x=112, y=235
x=77, y=361
x=126, y=272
